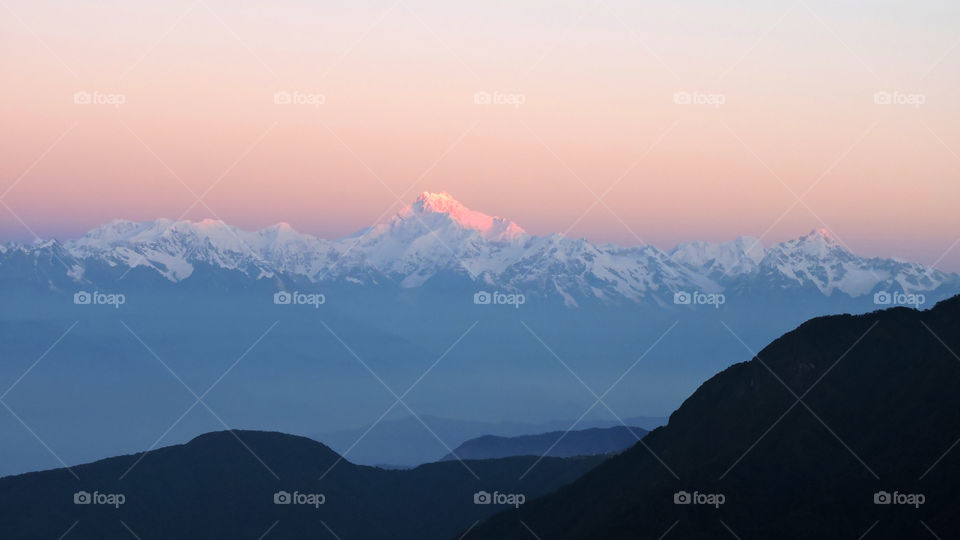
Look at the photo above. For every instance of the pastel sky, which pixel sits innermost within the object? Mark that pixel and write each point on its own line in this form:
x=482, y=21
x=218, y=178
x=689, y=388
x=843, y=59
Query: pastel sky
x=784, y=134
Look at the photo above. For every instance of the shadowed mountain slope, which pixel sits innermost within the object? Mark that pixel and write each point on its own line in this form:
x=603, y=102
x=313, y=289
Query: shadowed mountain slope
x=880, y=412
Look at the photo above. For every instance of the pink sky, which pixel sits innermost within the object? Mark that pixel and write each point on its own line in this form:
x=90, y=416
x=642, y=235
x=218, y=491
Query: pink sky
x=595, y=84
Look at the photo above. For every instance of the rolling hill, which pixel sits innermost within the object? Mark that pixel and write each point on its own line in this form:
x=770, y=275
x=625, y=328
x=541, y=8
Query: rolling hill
x=227, y=485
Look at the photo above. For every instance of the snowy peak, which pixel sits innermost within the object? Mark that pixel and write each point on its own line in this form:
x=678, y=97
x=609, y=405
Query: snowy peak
x=740, y=256
x=822, y=233
x=283, y=233
x=113, y=232
x=816, y=243
x=818, y=259
x=173, y=248
x=281, y=228
x=429, y=205
x=441, y=203
x=120, y=232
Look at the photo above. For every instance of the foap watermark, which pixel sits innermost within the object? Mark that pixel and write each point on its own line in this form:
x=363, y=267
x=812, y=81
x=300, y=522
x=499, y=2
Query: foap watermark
x=708, y=499
x=699, y=298
x=306, y=499
x=295, y=97
x=96, y=97
x=904, y=499
x=884, y=97
x=499, y=98
x=508, y=499
x=684, y=97
x=297, y=298
x=497, y=298
x=105, y=499
x=895, y=298
x=97, y=298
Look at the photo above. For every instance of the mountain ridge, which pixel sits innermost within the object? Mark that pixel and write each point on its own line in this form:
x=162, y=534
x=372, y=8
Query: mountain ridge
x=437, y=238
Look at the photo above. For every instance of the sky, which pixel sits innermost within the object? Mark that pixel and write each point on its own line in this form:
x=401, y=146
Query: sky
x=620, y=121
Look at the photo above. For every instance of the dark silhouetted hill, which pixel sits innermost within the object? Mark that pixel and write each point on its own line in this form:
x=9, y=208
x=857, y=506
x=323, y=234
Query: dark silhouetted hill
x=880, y=412
x=214, y=488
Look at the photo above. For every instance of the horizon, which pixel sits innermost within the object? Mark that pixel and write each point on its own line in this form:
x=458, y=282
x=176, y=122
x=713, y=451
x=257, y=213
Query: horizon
x=763, y=243
x=612, y=122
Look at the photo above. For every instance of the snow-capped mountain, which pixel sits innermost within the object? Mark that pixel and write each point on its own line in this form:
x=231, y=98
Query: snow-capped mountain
x=172, y=248
x=434, y=234
x=721, y=260
x=437, y=237
x=818, y=259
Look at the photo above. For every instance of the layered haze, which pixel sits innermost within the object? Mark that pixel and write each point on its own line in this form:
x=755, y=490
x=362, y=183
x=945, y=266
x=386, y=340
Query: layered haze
x=485, y=325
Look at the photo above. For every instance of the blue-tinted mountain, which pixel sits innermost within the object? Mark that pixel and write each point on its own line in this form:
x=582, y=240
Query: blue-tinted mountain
x=406, y=442
x=585, y=442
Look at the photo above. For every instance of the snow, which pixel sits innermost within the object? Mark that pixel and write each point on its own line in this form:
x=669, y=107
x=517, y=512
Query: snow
x=437, y=234
x=491, y=227
x=740, y=256
x=76, y=272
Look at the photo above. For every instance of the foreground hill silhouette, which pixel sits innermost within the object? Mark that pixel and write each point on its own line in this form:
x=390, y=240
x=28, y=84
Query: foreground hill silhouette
x=214, y=488
x=584, y=442
x=880, y=411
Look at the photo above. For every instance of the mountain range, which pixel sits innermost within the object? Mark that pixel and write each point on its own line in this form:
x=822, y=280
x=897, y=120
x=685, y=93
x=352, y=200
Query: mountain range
x=437, y=239
x=420, y=303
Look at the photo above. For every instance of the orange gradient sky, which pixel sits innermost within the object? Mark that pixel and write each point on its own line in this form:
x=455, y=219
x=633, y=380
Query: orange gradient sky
x=798, y=143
